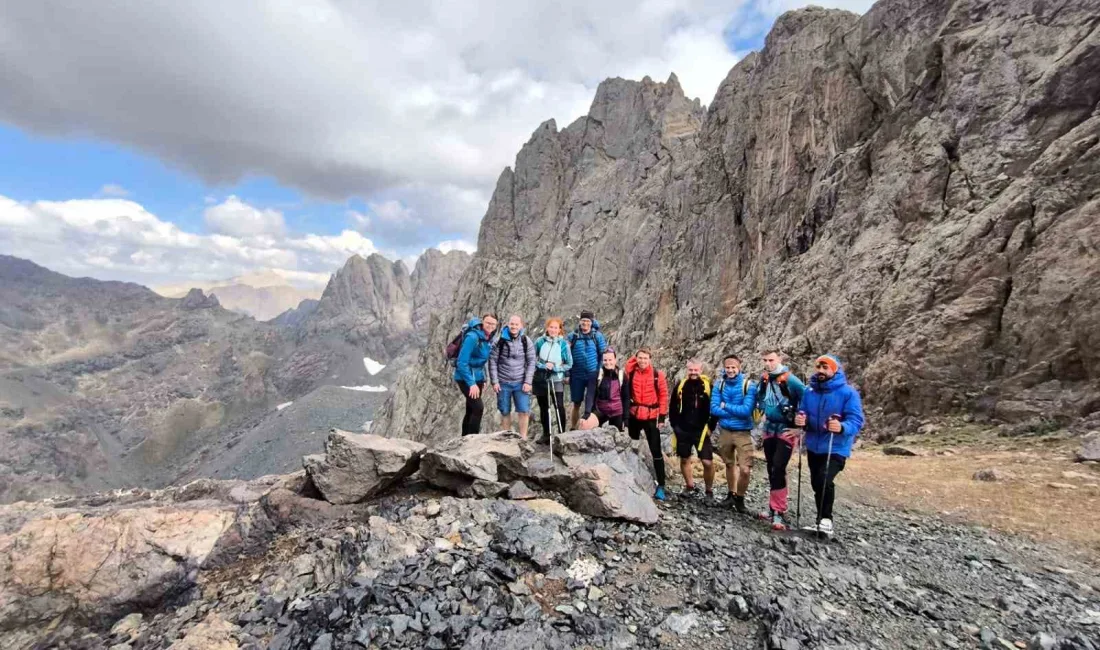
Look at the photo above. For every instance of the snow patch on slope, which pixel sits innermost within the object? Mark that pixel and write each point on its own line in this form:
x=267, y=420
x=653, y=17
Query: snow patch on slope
x=373, y=367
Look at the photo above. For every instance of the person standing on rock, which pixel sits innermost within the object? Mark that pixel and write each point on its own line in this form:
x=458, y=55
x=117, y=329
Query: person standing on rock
x=831, y=414
x=732, y=403
x=647, y=394
x=512, y=372
x=552, y=361
x=610, y=400
x=470, y=369
x=778, y=396
x=587, y=345
x=689, y=415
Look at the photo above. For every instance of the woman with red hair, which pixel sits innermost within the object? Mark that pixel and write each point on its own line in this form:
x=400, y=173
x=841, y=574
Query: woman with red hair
x=552, y=361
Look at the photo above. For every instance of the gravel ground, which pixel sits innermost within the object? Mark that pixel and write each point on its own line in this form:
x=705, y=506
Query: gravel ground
x=425, y=570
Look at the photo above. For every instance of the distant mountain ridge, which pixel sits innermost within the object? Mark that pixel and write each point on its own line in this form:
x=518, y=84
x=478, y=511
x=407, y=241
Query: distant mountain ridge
x=263, y=294
x=108, y=384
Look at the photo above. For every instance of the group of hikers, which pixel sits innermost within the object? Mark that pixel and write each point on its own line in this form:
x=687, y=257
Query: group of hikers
x=823, y=418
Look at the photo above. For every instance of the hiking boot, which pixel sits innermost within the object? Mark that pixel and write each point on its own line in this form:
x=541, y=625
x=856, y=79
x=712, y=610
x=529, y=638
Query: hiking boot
x=739, y=505
x=765, y=515
x=825, y=527
x=708, y=498
x=660, y=493
x=779, y=522
x=691, y=493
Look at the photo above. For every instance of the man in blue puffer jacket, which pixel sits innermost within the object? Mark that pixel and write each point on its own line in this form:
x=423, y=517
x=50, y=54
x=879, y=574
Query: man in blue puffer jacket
x=831, y=413
x=587, y=345
x=732, y=402
x=470, y=369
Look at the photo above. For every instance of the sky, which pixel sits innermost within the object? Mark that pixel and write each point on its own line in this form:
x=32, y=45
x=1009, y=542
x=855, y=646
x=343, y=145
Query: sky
x=195, y=141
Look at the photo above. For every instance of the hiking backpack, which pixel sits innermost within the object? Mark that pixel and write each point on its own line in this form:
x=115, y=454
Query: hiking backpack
x=792, y=406
x=455, y=346
x=757, y=413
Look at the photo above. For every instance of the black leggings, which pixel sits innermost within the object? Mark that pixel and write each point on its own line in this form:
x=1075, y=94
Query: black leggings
x=544, y=407
x=653, y=437
x=615, y=420
x=824, y=488
x=471, y=422
x=778, y=454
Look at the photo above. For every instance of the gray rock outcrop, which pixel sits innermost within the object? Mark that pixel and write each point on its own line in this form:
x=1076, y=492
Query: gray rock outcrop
x=912, y=189
x=477, y=466
x=357, y=466
x=1090, y=447
x=603, y=473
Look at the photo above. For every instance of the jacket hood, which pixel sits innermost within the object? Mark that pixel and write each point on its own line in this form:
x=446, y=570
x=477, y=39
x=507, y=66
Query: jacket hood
x=474, y=325
x=702, y=378
x=632, y=365
x=778, y=371
x=506, y=333
x=834, y=382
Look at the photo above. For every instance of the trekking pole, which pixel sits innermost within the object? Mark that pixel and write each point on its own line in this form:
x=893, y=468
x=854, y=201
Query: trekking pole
x=553, y=406
x=798, y=508
x=825, y=481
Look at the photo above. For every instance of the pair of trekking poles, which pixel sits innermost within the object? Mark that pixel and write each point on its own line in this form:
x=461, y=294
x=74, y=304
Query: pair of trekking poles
x=818, y=498
x=555, y=414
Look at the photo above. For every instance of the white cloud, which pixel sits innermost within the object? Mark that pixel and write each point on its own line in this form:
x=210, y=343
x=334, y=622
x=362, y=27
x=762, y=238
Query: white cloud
x=117, y=239
x=418, y=102
x=456, y=245
x=236, y=218
x=111, y=189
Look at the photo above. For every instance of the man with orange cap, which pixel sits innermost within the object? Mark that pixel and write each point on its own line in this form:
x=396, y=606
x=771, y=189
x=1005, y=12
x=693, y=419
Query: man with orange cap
x=831, y=413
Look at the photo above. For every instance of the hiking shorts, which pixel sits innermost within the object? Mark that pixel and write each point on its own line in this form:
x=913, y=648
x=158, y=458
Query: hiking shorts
x=687, y=442
x=735, y=448
x=510, y=393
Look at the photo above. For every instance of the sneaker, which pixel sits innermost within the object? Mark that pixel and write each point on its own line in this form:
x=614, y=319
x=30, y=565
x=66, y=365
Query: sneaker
x=692, y=493
x=660, y=494
x=766, y=515
x=739, y=505
x=825, y=527
x=779, y=522
x=708, y=498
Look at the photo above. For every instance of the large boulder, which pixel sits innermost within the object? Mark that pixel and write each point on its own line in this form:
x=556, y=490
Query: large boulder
x=58, y=561
x=357, y=466
x=1090, y=447
x=602, y=473
x=479, y=465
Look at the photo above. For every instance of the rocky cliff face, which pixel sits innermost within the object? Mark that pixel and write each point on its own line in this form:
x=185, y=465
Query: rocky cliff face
x=433, y=282
x=914, y=189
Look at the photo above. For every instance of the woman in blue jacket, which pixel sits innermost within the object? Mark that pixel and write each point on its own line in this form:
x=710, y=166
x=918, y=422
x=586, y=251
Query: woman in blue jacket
x=831, y=413
x=470, y=369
